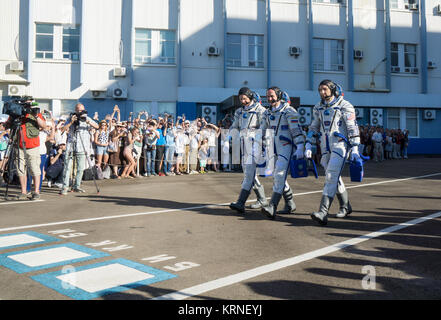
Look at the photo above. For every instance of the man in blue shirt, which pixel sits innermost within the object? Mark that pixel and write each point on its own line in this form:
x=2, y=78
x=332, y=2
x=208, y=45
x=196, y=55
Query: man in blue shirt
x=160, y=148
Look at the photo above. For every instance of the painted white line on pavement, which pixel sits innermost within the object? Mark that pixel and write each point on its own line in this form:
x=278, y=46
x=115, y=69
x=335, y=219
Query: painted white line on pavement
x=245, y=275
x=190, y=208
x=20, y=202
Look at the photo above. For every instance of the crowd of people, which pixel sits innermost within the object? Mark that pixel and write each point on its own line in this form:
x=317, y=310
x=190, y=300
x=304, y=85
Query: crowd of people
x=384, y=144
x=142, y=145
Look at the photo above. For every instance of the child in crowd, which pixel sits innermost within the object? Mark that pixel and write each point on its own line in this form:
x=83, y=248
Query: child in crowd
x=203, y=155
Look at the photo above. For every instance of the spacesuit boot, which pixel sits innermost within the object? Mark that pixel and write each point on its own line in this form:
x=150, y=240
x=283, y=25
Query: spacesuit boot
x=261, y=200
x=322, y=215
x=271, y=209
x=239, y=205
x=290, y=205
x=345, y=206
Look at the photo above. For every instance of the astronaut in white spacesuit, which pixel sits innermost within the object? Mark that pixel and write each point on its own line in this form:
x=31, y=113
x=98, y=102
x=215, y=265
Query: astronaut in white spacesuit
x=333, y=115
x=247, y=122
x=281, y=121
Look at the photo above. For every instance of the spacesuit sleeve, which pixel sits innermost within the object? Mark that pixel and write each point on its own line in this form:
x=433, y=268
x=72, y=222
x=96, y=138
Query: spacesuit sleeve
x=235, y=124
x=314, y=127
x=350, y=119
x=262, y=133
x=292, y=117
x=260, y=112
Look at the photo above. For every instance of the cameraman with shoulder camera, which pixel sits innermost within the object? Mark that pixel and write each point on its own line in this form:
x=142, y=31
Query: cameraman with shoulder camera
x=28, y=148
x=77, y=146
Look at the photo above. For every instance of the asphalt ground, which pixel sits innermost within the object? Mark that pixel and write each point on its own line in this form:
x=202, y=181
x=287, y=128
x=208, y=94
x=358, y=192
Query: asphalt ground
x=388, y=248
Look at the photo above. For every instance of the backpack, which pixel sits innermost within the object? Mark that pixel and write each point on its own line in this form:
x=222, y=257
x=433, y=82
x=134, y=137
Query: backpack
x=88, y=174
x=107, y=172
x=98, y=173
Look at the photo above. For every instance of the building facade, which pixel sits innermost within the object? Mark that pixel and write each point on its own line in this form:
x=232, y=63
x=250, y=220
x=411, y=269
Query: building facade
x=191, y=56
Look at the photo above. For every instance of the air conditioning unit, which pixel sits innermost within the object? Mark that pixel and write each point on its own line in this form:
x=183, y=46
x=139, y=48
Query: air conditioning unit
x=412, y=6
x=305, y=116
x=358, y=54
x=119, y=93
x=98, y=93
x=15, y=90
x=295, y=51
x=431, y=65
x=376, y=117
x=16, y=66
x=395, y=69
x=213, y=51
x=119, y=72
x=429, y=114
x=209, y=113
x=359, y=112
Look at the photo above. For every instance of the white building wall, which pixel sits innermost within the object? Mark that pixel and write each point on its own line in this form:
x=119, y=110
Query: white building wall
x=201, y=25
x=11, y=43
x=369, y=28
x=289, y=29
x=155, y=82
x=433, y=45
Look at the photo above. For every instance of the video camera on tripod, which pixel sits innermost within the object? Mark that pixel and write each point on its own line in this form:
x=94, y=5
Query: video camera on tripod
x=81, y=116
x=20, y=107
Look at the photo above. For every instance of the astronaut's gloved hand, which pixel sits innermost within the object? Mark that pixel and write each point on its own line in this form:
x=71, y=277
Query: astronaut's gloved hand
x=355, y=155
x=226, y=147
x=299, y=151
x=265, y=142
x=308, y=151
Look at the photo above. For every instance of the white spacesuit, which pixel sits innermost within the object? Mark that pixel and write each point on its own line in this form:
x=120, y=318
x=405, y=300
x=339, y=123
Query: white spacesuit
x=333, y=115
x=246, y=123
x=281, y=122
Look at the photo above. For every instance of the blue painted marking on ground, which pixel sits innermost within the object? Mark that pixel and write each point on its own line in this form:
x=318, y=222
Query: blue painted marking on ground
x=50, y=280
x=18, y=267
x=44, y=239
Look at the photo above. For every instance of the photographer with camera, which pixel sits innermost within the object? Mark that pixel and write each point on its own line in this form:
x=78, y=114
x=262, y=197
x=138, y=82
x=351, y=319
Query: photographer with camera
x=28, y=156
x=77, y=146
x=151, y=136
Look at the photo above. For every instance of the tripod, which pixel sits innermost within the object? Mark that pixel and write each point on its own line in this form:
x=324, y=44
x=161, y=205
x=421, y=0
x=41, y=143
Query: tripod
x=73, y=150
x=11, y=153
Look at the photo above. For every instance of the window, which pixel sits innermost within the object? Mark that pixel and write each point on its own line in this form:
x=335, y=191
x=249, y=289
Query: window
x=55, y=41
x=412, y=121
x=67, y=106
x=155, y=46
x=143, y=46
x=328, y=1
x=328, y=55
x=71, y=43
x=403, y=118
x=401, y=4
x=393, y=118
x=234, y=49
x=167, y=45
x=44, y=44
x=255, y=51
x=245, y=51
x=403, y=58
x=167, y=107
x=142, y=106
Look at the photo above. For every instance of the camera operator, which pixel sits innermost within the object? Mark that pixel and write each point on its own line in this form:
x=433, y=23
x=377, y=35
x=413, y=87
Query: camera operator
x=4, y=138
x=29, y=148
x=77, y=146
